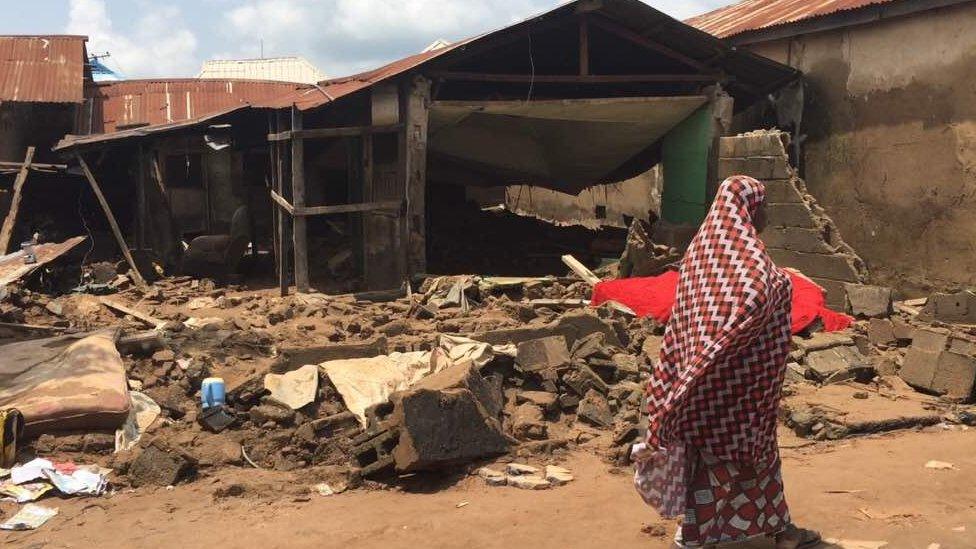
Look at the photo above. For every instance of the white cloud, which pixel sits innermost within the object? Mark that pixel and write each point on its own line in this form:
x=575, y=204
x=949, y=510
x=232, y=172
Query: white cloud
x=157, y=44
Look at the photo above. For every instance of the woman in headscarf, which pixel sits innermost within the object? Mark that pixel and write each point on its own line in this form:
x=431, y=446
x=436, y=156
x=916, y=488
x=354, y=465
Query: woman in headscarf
x=710, y=454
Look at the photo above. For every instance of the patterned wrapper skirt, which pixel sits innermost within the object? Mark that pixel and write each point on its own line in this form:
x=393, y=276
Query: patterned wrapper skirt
x=729, y=502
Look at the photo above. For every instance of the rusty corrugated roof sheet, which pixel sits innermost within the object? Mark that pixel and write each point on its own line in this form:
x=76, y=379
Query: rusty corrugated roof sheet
x=13, y=268
x=751, y=15
x=166, y=101
x=43, y=69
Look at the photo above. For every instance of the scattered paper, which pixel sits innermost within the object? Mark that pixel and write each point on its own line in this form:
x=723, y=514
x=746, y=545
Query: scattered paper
x=295, y=389
x=24, y=493
x=201, y=323
x=29, y=517
x=202, y=303
x=32, y=470
x=79, y=482
x=940, y=465
x=856, y=544
x=142, y=413
x=324, y=489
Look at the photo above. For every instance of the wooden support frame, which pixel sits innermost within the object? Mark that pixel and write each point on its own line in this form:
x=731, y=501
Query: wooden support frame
x=322, y=133
x=18, y=192
x=584, y=46
x=111, y=220
x=299, y=230
x=573, y=78
x=305, y=211
x=645, y=42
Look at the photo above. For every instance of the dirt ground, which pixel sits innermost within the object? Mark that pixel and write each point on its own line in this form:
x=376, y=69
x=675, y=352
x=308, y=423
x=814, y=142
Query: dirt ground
x=872, y=489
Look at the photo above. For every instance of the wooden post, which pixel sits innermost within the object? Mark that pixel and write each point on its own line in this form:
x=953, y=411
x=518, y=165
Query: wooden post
x=415, y=218
x=366, y=196
x=141, y=202
x=584, y=46
x=11, y=220
x=299, y=234
x=111, y=221
x=279, y=216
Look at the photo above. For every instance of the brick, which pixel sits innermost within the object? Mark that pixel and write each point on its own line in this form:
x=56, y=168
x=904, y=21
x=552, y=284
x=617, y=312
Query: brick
x=759, y=167
x=547, y=353
x=796, y=239
x=868, y=301
x=837, y=267
x=782, y=191
x=790, y=215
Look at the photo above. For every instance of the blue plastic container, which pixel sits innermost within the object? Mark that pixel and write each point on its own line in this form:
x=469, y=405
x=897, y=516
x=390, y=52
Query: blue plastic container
x=212, y=392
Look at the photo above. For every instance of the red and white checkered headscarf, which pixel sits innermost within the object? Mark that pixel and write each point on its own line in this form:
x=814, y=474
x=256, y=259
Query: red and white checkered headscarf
x=717, y=385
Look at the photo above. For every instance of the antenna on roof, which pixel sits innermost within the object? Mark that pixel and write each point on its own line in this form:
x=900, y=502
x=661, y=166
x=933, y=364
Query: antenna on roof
x=262, y=48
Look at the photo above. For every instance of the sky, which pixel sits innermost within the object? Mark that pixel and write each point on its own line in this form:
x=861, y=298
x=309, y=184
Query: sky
x=153, y=38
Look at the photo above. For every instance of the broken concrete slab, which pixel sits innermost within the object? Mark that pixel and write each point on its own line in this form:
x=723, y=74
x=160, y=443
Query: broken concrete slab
x=547, y=353
x=295, y=357
x=868, y=301
x=296, y=388
x=440, y=428
x=529, y=482
x=546, y=401
x=819, y=341
x=521, y=469
x=527, y=422
x=573, y=325
x=557, y=476
x=595, y=409
x=824, y=364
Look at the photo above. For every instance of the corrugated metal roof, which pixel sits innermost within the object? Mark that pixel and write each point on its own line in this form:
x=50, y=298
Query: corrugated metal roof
x=284, y=69
x=129, y=102
x=752, y=15
x=71, y=141
x=44, y=69
x=746, y=68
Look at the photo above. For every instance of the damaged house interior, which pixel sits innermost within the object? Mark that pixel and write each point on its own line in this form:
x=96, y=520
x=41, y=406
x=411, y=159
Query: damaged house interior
x=439, y=302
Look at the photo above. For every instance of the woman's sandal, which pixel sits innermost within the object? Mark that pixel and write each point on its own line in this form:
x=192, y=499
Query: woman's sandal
x=805, y=539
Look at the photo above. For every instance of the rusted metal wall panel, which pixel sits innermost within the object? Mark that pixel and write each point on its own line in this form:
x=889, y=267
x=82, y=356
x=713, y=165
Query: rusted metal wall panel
x=44, y=69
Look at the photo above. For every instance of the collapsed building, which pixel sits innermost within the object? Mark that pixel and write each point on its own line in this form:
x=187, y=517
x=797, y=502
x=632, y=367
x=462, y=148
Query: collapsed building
x=377, y=176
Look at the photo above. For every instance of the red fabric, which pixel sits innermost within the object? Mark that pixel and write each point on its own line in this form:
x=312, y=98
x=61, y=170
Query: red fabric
x=716, y=388
x=654, y=296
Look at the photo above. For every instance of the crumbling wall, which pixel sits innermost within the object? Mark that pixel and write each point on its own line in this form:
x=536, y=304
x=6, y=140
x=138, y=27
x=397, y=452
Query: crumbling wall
x=890, y=128
x=799, y=234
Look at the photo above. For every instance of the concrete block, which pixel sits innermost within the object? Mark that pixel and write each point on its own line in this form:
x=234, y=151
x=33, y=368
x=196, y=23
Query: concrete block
x=159, y=467
x=835, y=298
x=440, y=428
x=932, y=340
x=819, y=341
x=881, y=331
x=595, y=410
x=790, y=215
x=466, y=376
x=527, y=422
x=954, y=375
x=546, y=353
x=796, y=239
x=759, y=167
x=868, y=301
x=903, y=331
x=918, y=369
x=782, y=191
x=752, y=144
x=958, y=307
x=837, y=267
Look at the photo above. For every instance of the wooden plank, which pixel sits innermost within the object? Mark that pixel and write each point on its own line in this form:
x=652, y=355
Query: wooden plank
x=280, y=200
x=141, y=205
x=346, y=131
x=280, y=221
x=135, y=313
x=11, y=219
x=367, y=188
x=581, y=271
x=30, y=327
x=111, y=221
x=348, y=208
x=573, y=78
x=33, y=165
x=299, y=230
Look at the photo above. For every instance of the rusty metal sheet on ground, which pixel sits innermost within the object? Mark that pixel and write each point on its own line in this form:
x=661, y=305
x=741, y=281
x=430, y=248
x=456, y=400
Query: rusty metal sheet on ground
x=13, y=268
